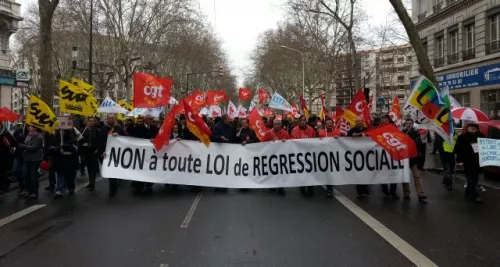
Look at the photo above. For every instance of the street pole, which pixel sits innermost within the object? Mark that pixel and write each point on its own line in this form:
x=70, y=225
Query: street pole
x=90, y=40
x=303, y=66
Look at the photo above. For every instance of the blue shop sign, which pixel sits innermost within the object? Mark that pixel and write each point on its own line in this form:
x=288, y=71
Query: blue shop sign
x=480, y=76
x=7, y=81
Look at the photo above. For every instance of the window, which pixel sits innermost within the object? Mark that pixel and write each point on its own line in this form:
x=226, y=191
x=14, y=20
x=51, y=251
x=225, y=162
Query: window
x=439, y=53
x=494, y=45
x=469, y=42
x=409, y=58
x=401, y=59
x=490, y=101
x=453, y=41
x=463, y=99
x=401, y=78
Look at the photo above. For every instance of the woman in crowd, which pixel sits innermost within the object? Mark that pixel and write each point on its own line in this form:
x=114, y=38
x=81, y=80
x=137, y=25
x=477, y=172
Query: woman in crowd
x=32, y=155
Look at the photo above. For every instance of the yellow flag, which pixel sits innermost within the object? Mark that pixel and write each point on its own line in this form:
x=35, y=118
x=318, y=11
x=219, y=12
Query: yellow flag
x=41, y=116
x=83, y=85
x=75, y=100
x=126, y=106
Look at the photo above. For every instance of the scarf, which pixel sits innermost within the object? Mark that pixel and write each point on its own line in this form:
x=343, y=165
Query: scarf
x=29, y=137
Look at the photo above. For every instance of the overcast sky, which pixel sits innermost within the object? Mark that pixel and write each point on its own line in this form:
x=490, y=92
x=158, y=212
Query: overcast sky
x=238, y=24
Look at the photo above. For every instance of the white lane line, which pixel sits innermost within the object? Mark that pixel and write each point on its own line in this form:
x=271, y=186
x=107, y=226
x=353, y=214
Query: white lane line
x=397, y=242
x=20, y=214
x=191, y=211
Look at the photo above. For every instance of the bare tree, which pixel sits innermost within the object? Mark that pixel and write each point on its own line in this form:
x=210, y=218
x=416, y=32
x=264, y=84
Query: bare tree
x=46, y=9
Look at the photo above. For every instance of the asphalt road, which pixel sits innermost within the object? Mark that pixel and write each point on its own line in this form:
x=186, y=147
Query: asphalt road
x=257, y=228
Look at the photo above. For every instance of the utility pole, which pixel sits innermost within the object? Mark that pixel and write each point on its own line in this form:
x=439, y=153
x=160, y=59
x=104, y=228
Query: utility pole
x=90, y=40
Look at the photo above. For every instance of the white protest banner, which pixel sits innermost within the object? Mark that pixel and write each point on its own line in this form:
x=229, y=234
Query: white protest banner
x=278, y=102
x=306, y=162
x=489, y=152
x=110, y=106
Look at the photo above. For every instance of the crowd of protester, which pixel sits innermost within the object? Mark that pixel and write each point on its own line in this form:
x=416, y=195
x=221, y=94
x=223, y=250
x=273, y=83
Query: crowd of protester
x=64, y=154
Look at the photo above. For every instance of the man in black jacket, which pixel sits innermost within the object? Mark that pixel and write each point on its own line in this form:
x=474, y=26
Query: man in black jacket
x=413, y=134
x=89, y=149
x=246, y=135
x=146, y=131
x=357, y=131
x=223, y=133
x=468, y=157
x=110, y=128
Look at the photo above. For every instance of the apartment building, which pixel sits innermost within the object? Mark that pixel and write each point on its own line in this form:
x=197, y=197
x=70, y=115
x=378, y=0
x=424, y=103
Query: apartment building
x=462, y=40
x=9, y=20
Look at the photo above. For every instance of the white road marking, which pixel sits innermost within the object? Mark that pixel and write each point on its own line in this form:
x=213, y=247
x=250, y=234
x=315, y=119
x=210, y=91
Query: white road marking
x=20, y=214
x=191, y=211
x=397, y=242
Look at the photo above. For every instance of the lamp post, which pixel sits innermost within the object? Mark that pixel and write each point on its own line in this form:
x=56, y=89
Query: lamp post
x=91, y=44
x=74, y=59
x=303, y=66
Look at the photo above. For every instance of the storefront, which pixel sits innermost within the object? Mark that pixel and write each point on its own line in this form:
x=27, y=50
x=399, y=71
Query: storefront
x=476, y=85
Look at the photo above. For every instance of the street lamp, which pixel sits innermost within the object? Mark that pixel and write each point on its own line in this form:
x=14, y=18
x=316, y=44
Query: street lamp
x=74, y=56
x=303, y=66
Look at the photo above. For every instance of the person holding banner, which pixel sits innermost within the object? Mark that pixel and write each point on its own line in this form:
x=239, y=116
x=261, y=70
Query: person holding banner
x=467, y=156
x=111, y=128
x=223, y=133
x=389, y=191
x=146, y=131
x=32, y=155
x=65, y=163
x=303, y=131
x=275, y=134
x=417, y=179
x=89, y=149
x=357, y=131
x=328, y=132
x=246, y=136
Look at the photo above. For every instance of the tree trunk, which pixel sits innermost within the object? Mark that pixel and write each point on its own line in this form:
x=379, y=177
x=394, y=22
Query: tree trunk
x=411, y=30
x=354, y=63
x=46, y=8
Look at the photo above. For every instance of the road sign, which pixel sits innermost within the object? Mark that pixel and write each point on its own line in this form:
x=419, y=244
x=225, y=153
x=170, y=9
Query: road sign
x=65, y=123
x=22, y=75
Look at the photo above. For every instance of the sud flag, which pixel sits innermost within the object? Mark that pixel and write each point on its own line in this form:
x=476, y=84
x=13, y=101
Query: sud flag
x=163, y=136
x=216, y=97
x=232, y=111
x=151, y=91
x=196, y=125
x=256, y=124
x=395, y=112
x=75, y=100
x=399, y=145
x=83, y=85
x=263, y=95
x=357, y=107
x=40, y=115
x=303, y=105
x=245, y=94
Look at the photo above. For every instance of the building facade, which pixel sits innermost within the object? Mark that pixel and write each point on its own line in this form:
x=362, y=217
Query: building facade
x=462, y=40
x=9, y=20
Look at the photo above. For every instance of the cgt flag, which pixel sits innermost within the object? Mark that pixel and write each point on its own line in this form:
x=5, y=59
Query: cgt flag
x=151, y=91
x=357, y=107
x=196, y=125
x=399, y=145
x=163, y=136
x=40, y=115
x=263, y=95
x=303, y=105
x=395, y=112
x=256, y=124
x=75, y=100
x=245, y=94
x=216, y=97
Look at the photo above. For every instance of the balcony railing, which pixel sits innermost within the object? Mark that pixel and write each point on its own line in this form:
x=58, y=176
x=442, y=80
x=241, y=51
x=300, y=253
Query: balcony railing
x=422, y=16
x=493, y=47
x=469, y=53
x=453, y=58
x=437, y=7
x=439, y=62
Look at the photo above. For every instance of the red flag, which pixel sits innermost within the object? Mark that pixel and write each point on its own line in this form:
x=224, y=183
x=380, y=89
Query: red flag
x=268, y=113
x=370, y=103
x=263, y=95
x=245, y=94
x=8, y=115
x=151, y=91
x=357, y=107
x=196, y=125
x=216, y=97
x=256, y=124
x=163, y=136
x=196, y=100
x=294, y=113
x=396, y=143
x=304, y=106
x=339, y=112
x=395, y=112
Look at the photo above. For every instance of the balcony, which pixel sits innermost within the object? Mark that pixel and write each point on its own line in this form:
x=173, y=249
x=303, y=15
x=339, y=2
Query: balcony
x=469, y=54
x=493, y=47
x=453, y=58
x=5, y=5
x=450, y=2
x=422, y=16
x=438, y=62
x=437, y=7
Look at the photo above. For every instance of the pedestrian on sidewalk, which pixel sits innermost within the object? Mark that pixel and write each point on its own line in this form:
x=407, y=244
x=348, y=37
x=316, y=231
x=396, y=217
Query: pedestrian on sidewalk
x=66, y=163
x=32, y=155
x=417, y=179
x=468, y=157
